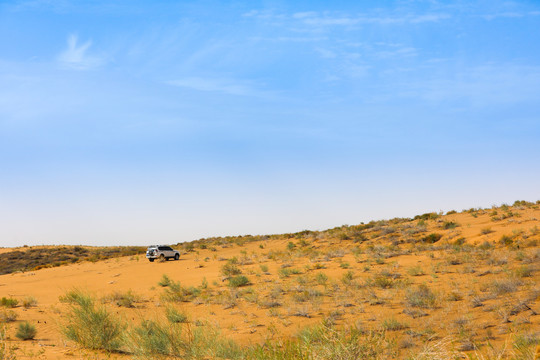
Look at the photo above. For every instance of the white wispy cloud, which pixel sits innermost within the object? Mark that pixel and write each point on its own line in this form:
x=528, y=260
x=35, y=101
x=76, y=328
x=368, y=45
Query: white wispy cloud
x=480, y=86
x=325, y=53
x=214, y=85
x=510, y=14
x=316, y=19
x=76, y=55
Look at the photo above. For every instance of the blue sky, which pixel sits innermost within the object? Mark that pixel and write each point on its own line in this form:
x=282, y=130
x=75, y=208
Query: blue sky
x=137, y=122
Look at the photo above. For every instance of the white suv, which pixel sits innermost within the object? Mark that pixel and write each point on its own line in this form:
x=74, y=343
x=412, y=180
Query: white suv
x=161, y=252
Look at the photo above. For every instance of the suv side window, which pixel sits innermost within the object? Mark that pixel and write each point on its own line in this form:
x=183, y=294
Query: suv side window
x=162, y=248
x=168, y=248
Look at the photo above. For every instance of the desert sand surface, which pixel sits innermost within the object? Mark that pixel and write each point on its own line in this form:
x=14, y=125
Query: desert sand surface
x=481, y=278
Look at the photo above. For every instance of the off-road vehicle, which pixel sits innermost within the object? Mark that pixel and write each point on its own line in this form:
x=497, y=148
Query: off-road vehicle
x=161, y=252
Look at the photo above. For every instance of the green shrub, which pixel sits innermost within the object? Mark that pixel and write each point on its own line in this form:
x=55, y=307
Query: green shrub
x=416, y=271
x=393, y=325
x=432, y=238
x=321, y=278
x=165, y=281
x=176, y=292
x=421, y=297
x=447, y=225
x=26, y=331
x=152, y=340
x=92, y=327
x=175, y=316
x=347, y=278
x=77, y=297
x=9, y=302
x=506, y=240
x=230, y=269
x=238, y=281
x=524, y=271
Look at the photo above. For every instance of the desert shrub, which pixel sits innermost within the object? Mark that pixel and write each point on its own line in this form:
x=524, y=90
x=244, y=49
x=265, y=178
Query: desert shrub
x=416, y=271
x=325, y=342
x=92, y=327
x=76, y=296
x=321, y=278
x=426, y=216
x=420, y=296
x=122, y=299
x=7, y=316
x=347, y=278
x=447, y=225
x=29, y=302
x=393, y=325
x=230, y=269
x=284, y=272
x=526, y=346
x=264, y=268
x=384, y=280
x=432, y=238
x=176, y=292
x=505, y=286
x=9, y=302
x=175, y=316
x=152, y=340
x=26, y=331
x=486, y=230
x=6, y=352
x=165, y=281
x=524, y=271
x=238, y=281
x=506, y=240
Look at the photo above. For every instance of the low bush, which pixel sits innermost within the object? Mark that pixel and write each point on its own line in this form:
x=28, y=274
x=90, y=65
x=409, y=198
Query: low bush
x=230, y=269
x=9, y=302
x=393, y=325
x=420, y=296
x=6, y=352
x=238, y=281
x=29, y=302
x=432, y=238
x=165, y=281
x=175, y=316
x=90, y=326
x=7, y=316
x=177, y=293
x=447, y=225
x=26, y=331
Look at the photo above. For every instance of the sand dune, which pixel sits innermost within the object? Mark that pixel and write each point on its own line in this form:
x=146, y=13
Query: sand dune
x=484, y=265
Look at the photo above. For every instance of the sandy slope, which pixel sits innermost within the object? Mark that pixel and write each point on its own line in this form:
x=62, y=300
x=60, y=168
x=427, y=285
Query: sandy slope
x=445, y=271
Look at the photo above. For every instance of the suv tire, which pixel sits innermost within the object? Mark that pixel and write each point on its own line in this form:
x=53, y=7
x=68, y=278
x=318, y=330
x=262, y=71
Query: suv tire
x=176, y=257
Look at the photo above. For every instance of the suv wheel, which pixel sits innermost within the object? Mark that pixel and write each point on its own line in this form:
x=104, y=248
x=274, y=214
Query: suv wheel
x=176, y=257
x=151, y=260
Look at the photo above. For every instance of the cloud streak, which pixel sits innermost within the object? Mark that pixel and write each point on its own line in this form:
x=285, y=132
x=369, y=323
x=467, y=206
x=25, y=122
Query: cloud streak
x=224, y=86
x=76, y=55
